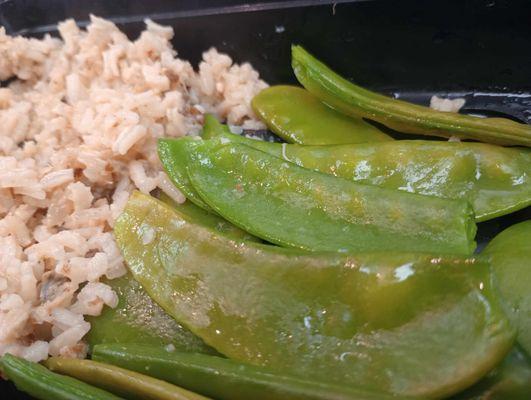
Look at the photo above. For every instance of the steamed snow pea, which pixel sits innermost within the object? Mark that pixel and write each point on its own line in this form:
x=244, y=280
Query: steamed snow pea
x=138, y=319
x=227, y=379
x=297, y=116
x=353, y=100
x=510, y=257
x=213, y=128
x=129, y=384
x=494, y=179
x=395, y=322
x=295, y=207
x=39, y=382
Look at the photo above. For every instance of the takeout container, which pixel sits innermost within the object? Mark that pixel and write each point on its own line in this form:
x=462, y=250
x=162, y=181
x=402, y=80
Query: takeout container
x=412, y=49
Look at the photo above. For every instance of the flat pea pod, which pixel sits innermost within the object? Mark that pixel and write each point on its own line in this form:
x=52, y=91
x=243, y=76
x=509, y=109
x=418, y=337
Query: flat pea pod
x=213, y=128
x=138, y=319
x=227, y=379
x=129, y=384
x=297, y=116
x=400, y=323
x=510, y=256
x=295, y=207
x=494, y=179
x=39, y=382
x=199, y=216
x=353, y=100
x=174, y=161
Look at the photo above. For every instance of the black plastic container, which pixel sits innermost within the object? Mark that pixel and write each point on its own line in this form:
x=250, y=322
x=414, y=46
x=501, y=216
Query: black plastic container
x=478, y=49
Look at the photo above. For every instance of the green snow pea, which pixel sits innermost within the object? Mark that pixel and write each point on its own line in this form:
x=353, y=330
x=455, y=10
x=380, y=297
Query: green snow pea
x=409, y=324
x=129, y=384
x=213, y=128
x=227, y=379
x=39, y=382
x=295, y=207
x=494, y=179
x=297, y=116
x=510, y=257
x=138, y=319
x=353, y=100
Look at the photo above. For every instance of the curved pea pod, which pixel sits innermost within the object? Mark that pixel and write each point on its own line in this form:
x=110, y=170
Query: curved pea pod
x=511, y=380
x=408, y=324
x=227, y=379
x=295, y=207
x=494, y=179
x=39, y=382
x=174, y=159
x=129, y=384
x=297, y=116
x=138, y=319
x=353, y=100
x=510, y=256
x=213, y=128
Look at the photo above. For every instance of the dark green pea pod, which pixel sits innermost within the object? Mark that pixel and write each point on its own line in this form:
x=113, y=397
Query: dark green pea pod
x=297, y=116
x=408, y=324
x=494, y=179
x=138, y=319
x=510, y=256
x=39, y=382
x=227, y=379
x=129, y=384
x=511, y=380
x=295, y=207
x=353, y=100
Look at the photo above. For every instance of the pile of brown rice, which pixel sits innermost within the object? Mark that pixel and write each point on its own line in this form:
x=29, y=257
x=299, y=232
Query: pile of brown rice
x=79, y=122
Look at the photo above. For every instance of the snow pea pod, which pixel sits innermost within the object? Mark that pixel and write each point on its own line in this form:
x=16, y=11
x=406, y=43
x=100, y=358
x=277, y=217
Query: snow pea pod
x=297, y=116
x=295, y=207
x=213, y=128
x=39, y=382
x=510, y=255
x=494, y=179
x=227, y=379
x=129, y=384
x=409, y=324
x=350, y=99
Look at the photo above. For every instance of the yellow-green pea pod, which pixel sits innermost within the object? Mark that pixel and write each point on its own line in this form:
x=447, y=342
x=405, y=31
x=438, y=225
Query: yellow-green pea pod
x=297, y=116
x=294, y=207
x=129, y=384
x=494, y=179
x=402, y=323
x=224, y=379
x=510, y=256
x=353, y=100
x=41, y=383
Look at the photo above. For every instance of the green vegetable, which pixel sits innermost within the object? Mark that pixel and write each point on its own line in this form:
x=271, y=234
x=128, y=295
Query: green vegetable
x=227, y=379
x=355, y=101
x=511, y=380
x=197, y=215
x=495, y=180
x=295, y=207
x=297, y=116
x=212, y=127
x=43, y=384
x=138, y=319
x=510, y=257
x=410, y=324
x=128, y=384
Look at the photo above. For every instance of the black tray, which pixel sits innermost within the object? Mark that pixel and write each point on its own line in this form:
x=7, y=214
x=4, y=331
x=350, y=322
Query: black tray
x=478, y=49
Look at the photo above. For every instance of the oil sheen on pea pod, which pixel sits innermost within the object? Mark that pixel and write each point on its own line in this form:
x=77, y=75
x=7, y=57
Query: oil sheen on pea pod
x=494, y=179
x=297, y=116
x=227, y=379
x=510, y=256
x=353, y=100
x=409, y=324
x=129, y=384
x=138, y=319
x=511, y=380
x=294, y=207
x=174, y=161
